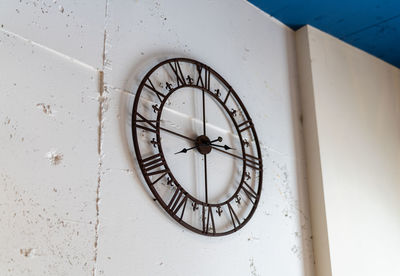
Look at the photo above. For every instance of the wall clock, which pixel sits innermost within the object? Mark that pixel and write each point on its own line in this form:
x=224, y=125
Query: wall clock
x=197, y=147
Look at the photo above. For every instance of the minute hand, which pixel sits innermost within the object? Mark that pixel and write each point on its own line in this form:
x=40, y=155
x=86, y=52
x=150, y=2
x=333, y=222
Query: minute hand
x=224, y=146
x=185, y=150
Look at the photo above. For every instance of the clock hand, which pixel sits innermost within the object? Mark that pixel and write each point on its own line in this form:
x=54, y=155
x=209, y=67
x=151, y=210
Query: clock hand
x=224, y=146
x=185, y=150
x=219, y=139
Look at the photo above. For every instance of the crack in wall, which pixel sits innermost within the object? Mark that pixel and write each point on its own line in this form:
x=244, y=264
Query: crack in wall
x=55, y=52
x=120, y=89
x=102, y=109
x=100, y=166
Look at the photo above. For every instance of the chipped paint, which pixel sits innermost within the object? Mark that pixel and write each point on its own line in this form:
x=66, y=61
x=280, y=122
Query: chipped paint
x=27, y=252
x=46, y=108
x=253, y=269
x=55, y=157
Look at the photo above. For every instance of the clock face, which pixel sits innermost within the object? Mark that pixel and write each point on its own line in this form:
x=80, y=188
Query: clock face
x=197, y=147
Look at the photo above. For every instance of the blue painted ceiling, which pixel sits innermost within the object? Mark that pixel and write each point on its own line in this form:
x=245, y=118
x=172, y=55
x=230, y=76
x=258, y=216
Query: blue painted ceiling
x=371, y=25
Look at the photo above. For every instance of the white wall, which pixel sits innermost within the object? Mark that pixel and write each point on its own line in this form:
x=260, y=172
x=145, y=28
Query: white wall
x=72, y=202
x=351, y=105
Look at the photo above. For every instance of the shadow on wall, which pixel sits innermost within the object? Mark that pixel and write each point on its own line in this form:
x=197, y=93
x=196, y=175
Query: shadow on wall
x=297, y=126
x=135, y=76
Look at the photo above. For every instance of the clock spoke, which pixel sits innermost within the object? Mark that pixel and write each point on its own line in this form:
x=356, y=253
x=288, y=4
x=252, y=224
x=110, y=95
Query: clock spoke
x=205, y=156
x=205, y=176
x=177, y=134
x=204, y=113
x=226, y=152
x=250, y=160
x=150, y=125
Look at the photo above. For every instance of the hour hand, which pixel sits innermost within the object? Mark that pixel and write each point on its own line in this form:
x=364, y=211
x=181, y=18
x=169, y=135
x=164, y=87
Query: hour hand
x=185, y=150
x=219, y=139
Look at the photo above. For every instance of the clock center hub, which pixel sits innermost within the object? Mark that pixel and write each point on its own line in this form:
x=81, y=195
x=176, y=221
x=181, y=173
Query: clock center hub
x=203, y=144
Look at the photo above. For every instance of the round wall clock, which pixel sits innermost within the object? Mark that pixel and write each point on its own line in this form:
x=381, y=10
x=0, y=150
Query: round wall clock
x=197, y=147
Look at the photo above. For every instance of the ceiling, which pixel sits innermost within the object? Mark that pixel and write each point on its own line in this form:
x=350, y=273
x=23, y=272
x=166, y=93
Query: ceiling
x=371, y=25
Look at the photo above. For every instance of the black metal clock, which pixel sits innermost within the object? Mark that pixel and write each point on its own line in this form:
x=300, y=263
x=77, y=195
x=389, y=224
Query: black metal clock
x=197, y=147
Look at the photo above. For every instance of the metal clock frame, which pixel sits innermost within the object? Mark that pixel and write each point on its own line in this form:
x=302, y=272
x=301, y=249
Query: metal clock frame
x=181, y=196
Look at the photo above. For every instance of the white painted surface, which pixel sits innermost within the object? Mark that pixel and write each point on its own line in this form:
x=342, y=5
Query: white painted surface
x=122, y=231
x=313, y=165
x=73, y=28
x=49, y=162
x=357, y=114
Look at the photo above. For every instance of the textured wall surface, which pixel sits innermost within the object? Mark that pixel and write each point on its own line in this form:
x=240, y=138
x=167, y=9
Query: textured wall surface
x=71, y=199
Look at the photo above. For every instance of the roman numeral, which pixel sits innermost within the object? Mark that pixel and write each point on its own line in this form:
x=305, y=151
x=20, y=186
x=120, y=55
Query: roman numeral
x=178, y=201
x=158, y=179
x=150, y=86
x=180, y=79
x=227, y=96
x=210, y=224
x=149, y=124
x=233, y=215
x=205, y=83
x=253, y=162
x=153, y=162
x=249, y=192
x=245, y=125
